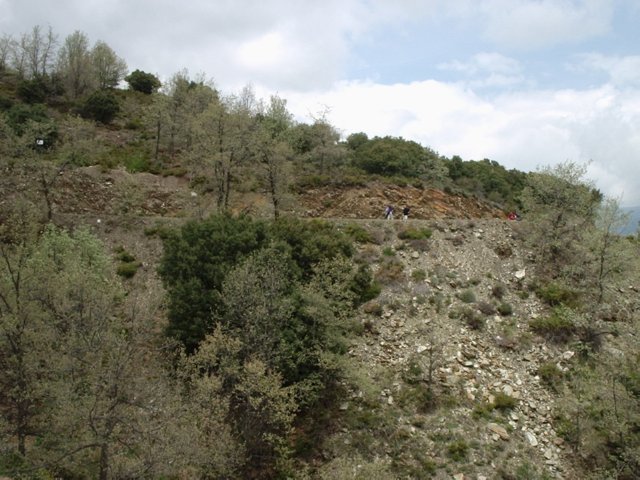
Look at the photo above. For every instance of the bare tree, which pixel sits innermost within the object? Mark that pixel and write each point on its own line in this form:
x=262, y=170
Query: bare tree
x=38, y=50
x=75, y=66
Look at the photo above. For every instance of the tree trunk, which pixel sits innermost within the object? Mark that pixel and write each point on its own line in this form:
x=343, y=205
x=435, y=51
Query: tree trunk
x=104, y=461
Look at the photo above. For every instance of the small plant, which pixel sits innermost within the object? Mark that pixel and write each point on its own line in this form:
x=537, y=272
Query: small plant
x=558, y=327
x=390, y=271
x=486, y=308
x=359, y=233
x=415, y=234
x=556, y=294
x=472, y=318
x=550, y=375
x=457, y=450
x=499, y=290
x=372, y=308
x=505, y=309
x=128, y=270
x=128, y=264
x=503, y=402
x=388, y=252
x=418, y=275
x=467, y=296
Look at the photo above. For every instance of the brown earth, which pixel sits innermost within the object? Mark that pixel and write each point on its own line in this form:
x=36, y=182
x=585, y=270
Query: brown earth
x=90, y=190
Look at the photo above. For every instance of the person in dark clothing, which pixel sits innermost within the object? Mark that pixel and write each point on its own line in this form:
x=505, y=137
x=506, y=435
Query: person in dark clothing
x=405, y=213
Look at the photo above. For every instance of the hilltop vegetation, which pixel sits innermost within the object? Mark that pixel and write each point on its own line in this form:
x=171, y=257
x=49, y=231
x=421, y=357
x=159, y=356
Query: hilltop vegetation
x=168, y=309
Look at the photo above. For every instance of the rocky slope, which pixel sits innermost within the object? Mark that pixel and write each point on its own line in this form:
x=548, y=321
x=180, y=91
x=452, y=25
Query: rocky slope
x=416, y=321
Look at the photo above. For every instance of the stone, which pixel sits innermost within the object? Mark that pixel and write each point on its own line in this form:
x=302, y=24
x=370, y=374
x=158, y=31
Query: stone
x=415, y=255
x=344, y=406
x=421, y=348
x=520, y=274
x=499, y=430
x=531, y=438
x=458, y=476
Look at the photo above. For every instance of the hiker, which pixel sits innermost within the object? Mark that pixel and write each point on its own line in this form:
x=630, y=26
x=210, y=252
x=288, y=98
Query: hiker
x=405, y=213
x=388, y=213
x=512, y=216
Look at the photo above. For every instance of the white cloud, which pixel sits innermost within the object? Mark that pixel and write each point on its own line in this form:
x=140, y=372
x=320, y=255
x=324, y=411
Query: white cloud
x=487, y=70
x=621, y=70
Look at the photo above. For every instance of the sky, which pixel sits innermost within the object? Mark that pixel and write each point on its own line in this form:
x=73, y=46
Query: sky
x=527, y=83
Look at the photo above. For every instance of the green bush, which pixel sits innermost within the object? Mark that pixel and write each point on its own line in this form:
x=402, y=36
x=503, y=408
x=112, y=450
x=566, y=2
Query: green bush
x=137, y=163
x=550, y=375
x=458, y=450
x=128, y=269
x=415, y=234
x=359, y=233
x=140, y=81
x=467, y=296
x=557, y=327
x=505, y=309
x=502, y=401
x=418, y=275
x=556, y=294
x=101, y=106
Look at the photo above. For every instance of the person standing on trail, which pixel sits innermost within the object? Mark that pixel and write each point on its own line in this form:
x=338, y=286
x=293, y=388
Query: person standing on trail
x=388, y=213
x=405, y=213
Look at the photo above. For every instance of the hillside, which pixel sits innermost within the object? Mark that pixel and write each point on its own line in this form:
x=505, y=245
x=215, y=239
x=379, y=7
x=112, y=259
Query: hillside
x=471, y=250
x=452, y=317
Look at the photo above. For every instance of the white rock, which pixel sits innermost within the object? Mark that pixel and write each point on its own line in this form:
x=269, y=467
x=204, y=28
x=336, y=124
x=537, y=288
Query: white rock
x=531, y=438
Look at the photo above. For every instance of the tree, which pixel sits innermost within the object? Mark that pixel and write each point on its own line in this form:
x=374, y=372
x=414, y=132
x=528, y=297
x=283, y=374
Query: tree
x=108, y=68
x=222, y=138
x=612, y=255
x=395, y=156
x=195, y=262
x=38, y=51
x=77, y=365
x=558, y=205
x=75, y=65
x=140, y=81
x=273, y=150
x=22, y=327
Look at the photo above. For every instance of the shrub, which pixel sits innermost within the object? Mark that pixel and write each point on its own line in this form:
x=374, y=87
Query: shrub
x=505, y=309
x=137, y=163
x=550, y=375
x=499, y=290
x=388, y=252
x=415, y=234
x=486, y=308
x=502, y=401
x=33, y=91
x=128, y=269
x=458, y=450
x=467, y=296
x=363, y=285
x=390, y=271
x=556, y=294
x=359, y=233
x=101, y=106
x=472, y=318
x=557, y=327
x=418, y=275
